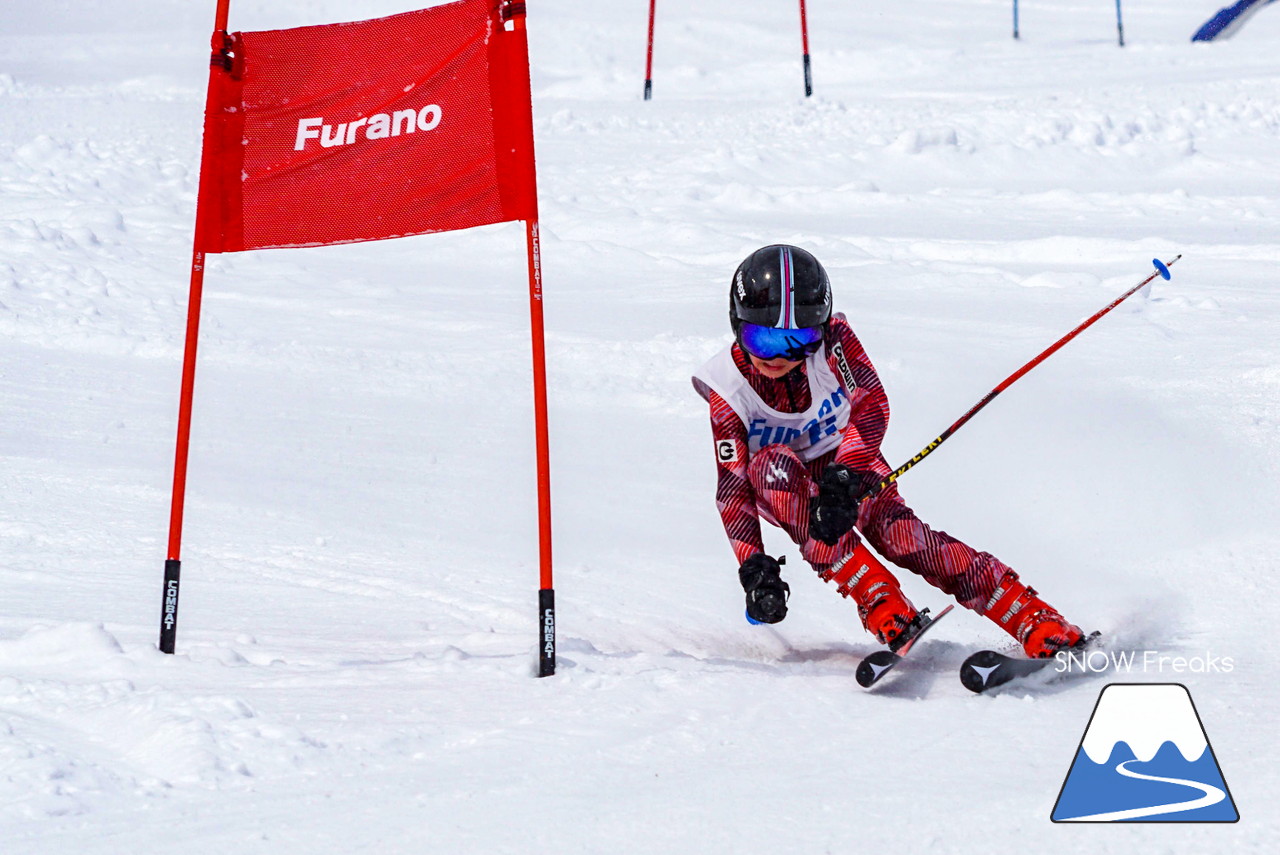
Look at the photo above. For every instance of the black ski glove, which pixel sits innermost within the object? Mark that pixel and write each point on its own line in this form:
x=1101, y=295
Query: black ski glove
x=761, y=578
x=835, y=510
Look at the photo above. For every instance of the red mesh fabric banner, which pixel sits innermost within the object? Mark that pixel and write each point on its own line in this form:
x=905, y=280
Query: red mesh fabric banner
x=415, y=123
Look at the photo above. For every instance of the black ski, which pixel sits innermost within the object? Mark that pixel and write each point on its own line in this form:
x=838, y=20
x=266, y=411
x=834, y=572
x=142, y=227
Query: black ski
x=987, y=669
x=876, y=665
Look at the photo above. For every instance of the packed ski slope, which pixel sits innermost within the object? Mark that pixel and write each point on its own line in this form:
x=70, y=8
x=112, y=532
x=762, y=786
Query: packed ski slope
x=356, y=645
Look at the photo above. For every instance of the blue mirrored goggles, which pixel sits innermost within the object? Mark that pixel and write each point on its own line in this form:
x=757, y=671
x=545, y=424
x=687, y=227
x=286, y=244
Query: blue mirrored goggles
x=775, y=343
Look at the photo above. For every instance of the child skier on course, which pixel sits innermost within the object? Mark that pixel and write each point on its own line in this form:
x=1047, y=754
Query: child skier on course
x=797, y=418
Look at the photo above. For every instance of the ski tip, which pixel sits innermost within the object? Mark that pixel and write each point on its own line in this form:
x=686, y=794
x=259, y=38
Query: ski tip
x=1162, y=268
x=874, y=666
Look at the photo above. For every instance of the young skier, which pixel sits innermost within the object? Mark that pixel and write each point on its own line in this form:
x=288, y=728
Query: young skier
x=797, y=418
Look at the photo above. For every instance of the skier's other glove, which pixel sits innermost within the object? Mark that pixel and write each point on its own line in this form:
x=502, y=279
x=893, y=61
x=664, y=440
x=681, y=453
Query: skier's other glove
x=835, y=510
x=761, y=578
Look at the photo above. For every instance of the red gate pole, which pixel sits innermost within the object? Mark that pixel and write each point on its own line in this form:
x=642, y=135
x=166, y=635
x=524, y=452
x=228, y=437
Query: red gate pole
x=546, y=588
x=173, y=561
x=515, y=13
x=804, y=39
x=219, y=63
x=648, y=66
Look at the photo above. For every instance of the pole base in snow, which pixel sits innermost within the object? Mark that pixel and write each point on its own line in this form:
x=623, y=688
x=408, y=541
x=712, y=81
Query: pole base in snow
x=547, y=632
x=169, y=608
x=648, y=90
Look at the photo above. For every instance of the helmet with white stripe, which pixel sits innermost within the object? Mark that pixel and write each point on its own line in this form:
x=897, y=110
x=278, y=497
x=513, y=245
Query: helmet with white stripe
x=780, y=286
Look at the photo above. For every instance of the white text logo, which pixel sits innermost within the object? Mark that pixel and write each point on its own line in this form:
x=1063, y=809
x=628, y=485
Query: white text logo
x=379, y=126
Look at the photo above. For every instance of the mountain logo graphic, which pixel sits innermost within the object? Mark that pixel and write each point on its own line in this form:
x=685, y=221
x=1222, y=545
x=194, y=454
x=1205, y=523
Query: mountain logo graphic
x=1145, y=757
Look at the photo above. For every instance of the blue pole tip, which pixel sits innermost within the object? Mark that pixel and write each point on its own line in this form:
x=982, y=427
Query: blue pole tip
x=1160, y=266
x=753, y=621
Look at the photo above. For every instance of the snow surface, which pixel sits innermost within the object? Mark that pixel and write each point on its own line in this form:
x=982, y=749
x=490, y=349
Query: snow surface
x=358, y=622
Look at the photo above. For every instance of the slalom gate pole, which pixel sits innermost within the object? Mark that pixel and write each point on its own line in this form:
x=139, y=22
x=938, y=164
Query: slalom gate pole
x=173, y=561
x=804, y=40
x=1162, y=270
x=218, y=64
x=546, y=589
x=542, y=445
x=648, y=65
x=1119, y=24
x=1015, y=19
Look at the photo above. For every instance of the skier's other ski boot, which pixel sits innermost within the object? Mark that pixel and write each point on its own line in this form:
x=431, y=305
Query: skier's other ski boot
x=885, y=612
x=1037, y=626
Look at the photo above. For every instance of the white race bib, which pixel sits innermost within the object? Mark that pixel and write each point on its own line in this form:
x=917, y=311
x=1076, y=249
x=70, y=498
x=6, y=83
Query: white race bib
x=810, y=434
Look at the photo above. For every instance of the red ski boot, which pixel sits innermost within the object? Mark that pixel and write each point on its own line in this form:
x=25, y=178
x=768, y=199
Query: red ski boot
x=1037, y=626
x=885, y=612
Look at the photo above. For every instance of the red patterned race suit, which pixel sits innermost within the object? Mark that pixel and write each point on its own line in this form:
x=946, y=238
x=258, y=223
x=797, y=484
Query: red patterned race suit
x=764, y=477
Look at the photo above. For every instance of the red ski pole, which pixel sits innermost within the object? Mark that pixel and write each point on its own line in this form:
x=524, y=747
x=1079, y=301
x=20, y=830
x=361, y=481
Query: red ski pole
x=648, y=66
x=804, y=39
x=1162, y=270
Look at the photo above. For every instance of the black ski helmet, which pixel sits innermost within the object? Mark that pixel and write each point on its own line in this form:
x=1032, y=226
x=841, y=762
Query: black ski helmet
x=779, y=286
